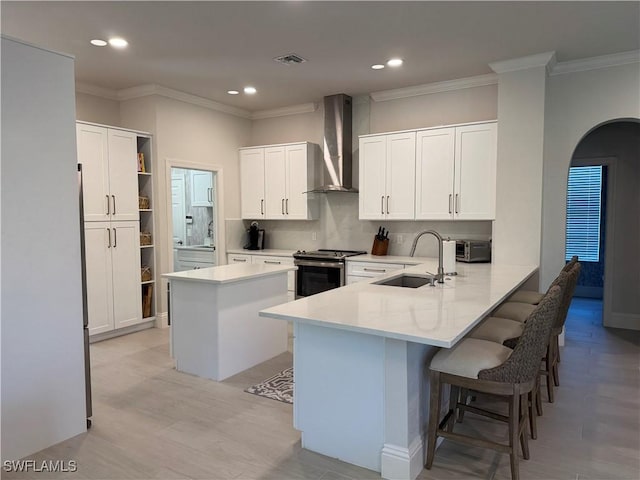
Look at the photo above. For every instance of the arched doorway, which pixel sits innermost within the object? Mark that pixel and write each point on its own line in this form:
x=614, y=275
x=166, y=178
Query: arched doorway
x=616, y=146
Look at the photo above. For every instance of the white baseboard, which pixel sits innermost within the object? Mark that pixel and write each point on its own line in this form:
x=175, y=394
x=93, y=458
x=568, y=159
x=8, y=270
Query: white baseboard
x=629, y=321
x=162, y=320
x=121, y=331
x=402, y=463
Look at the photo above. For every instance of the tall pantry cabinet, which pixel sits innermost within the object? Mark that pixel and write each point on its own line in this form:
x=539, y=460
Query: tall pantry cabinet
x=116, y=179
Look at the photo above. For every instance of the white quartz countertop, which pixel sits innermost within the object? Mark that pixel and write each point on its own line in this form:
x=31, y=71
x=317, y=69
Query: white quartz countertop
x=199, y=248
x=390, y=259
x=439, y=316
x=267, y=251
x=229, y=273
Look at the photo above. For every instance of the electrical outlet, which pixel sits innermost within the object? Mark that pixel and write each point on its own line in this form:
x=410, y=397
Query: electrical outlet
x=314, y=236
x=399, y=238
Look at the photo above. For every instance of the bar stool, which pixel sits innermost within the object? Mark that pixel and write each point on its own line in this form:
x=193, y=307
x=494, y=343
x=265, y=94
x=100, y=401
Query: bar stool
x=488, y=367
x=532, y=297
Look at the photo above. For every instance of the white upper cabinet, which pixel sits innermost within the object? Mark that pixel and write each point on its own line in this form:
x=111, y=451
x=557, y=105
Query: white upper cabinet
x=201, y=188
x=434, y=174
x=274, y=180
x=387, y=171
x=252, y=183
x=475, y=172
x=109, y=162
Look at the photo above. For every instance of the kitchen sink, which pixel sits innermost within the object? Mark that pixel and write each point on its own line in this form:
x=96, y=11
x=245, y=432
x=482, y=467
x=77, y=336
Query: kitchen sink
x=407, y=280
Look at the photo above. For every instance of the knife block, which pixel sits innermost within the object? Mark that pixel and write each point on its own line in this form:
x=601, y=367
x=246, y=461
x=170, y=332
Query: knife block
x=380, y=247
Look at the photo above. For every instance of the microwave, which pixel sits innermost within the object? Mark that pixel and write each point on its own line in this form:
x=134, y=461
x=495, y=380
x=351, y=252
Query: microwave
x=473, y=251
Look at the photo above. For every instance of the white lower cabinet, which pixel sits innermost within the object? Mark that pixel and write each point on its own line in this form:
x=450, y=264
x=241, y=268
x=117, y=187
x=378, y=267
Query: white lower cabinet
x=268, y=260
x=361, y=271
x=114, y=298
x=187, y=259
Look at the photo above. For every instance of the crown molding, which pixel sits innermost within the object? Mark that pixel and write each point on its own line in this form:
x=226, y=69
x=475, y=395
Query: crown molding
x=96, y=91
x=284, y=111
x=593, y=63
x=522, y=63
x=438, y=87
x=152, y=89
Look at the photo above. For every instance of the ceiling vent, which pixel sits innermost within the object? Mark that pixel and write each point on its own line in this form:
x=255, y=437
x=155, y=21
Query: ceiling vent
x=290, y=59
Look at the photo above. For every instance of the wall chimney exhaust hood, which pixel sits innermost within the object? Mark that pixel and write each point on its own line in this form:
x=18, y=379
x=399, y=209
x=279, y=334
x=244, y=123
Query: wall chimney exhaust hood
x=337, y=161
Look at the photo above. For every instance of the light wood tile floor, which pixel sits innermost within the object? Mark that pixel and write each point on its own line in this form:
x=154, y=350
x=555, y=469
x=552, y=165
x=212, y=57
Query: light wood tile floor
x=151, y=422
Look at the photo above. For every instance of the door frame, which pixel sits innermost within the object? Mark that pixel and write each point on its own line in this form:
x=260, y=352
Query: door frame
x=218, y=182
x=607, y=289
x=183, y=181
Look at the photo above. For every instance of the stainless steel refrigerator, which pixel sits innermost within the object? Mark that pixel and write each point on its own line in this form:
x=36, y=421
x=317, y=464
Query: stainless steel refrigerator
x=85, y=311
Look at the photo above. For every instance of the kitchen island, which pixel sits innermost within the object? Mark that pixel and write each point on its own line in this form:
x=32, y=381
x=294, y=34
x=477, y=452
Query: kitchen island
x=361, y=355
x=215, y=329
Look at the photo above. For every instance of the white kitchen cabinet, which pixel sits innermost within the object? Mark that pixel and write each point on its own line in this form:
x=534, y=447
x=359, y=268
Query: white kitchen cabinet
x=109, y=163
x=114, y=298
x=189, y=259
x=456, y=173
x=238, y=258
x=361, y=271
x=268, y=260
x=387, y=170
x=201, y=188
x=274, y=180
x=252, y=183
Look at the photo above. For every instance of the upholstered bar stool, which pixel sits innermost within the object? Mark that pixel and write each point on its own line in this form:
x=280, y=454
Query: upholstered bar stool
x=532, y=297
x=488, y=367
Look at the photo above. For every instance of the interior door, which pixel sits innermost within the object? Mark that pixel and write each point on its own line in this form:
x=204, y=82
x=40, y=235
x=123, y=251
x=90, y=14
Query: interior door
x=252, y=183
x=127, y=291
x=93, y=155
x=275, y=191
x=400, y=181
x=178, y=211
x=373, y=159
x=98, y=244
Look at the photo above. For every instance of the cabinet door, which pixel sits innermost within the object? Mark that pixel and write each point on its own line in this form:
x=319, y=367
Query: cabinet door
x=201, y=188
x=274, y=260
x=275, y=191
x=252, y=183
x=125, y=258
x=434, y=174
x=296, y=203
x=123, y=175
x=373, y=154
x=400, y=181
x=99, y=286
x=475, y=172
x=238, y=258
x=94, y=157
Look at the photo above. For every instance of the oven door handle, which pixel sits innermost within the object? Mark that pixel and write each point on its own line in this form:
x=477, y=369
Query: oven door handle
x=311, y=263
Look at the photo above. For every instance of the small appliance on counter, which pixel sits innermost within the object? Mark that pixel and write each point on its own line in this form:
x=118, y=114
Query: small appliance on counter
x=256, y=237
x=473, y=251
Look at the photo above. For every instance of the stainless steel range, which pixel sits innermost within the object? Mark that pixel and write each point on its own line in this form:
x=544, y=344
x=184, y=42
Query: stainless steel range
x=320, y=270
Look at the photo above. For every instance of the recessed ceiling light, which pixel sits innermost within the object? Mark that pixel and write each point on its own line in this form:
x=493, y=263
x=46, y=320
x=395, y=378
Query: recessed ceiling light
x=249, y=90
x=233, y=92
x=377, y=66
x=98, y=43
x=395, y=62
x=118, y=42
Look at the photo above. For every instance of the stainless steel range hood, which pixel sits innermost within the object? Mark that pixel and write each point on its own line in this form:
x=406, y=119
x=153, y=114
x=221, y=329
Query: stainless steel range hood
x=337, y=164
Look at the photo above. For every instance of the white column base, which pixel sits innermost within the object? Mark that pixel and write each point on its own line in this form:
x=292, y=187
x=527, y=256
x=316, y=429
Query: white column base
x=401, y=463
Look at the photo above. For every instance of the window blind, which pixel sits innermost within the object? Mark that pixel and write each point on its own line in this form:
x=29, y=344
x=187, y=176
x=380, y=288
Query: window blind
x=584, y=200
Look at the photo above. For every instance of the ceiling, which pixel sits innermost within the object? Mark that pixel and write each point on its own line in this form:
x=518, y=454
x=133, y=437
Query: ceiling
x=207, y=48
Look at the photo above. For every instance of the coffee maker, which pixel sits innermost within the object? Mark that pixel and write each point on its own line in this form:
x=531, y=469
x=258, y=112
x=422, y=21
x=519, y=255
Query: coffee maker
x=256, y=237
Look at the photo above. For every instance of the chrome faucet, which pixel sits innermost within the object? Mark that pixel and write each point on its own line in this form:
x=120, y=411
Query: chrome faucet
x=440, y=275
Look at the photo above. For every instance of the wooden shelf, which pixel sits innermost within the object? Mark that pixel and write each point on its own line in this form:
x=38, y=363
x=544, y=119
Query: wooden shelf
x=147, y=246
x=148, y=282
x=144, y=173
x=146, y=210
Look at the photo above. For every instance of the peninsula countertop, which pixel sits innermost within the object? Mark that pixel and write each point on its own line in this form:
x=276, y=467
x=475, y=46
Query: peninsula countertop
x=228, y=273
x=438, y=316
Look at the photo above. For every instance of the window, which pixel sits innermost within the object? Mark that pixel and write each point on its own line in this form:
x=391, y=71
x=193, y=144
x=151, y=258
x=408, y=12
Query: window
x=584, y=196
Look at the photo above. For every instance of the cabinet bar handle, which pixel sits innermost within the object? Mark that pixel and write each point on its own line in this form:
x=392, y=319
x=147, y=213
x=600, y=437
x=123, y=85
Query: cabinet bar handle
x=243, y=260
x=115, y=238
x=272, y=262
x=382, y=205
x=109, y=232
x=114, y=204
x=282, y=206
x=210, y=195
x=262, y=206
x=457, y=203
x=449, y=203
x=377, y=270
x=387, y=204
x=287, y=206
x=108, y=205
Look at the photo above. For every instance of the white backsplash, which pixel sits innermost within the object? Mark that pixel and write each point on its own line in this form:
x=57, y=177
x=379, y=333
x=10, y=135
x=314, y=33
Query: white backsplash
x=340, y=228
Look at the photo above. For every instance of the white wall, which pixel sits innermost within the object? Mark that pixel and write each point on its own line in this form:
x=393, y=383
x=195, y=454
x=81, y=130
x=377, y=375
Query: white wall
x=90, y=108
x=43, y=399
x=575, y=104
x=518, y=224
